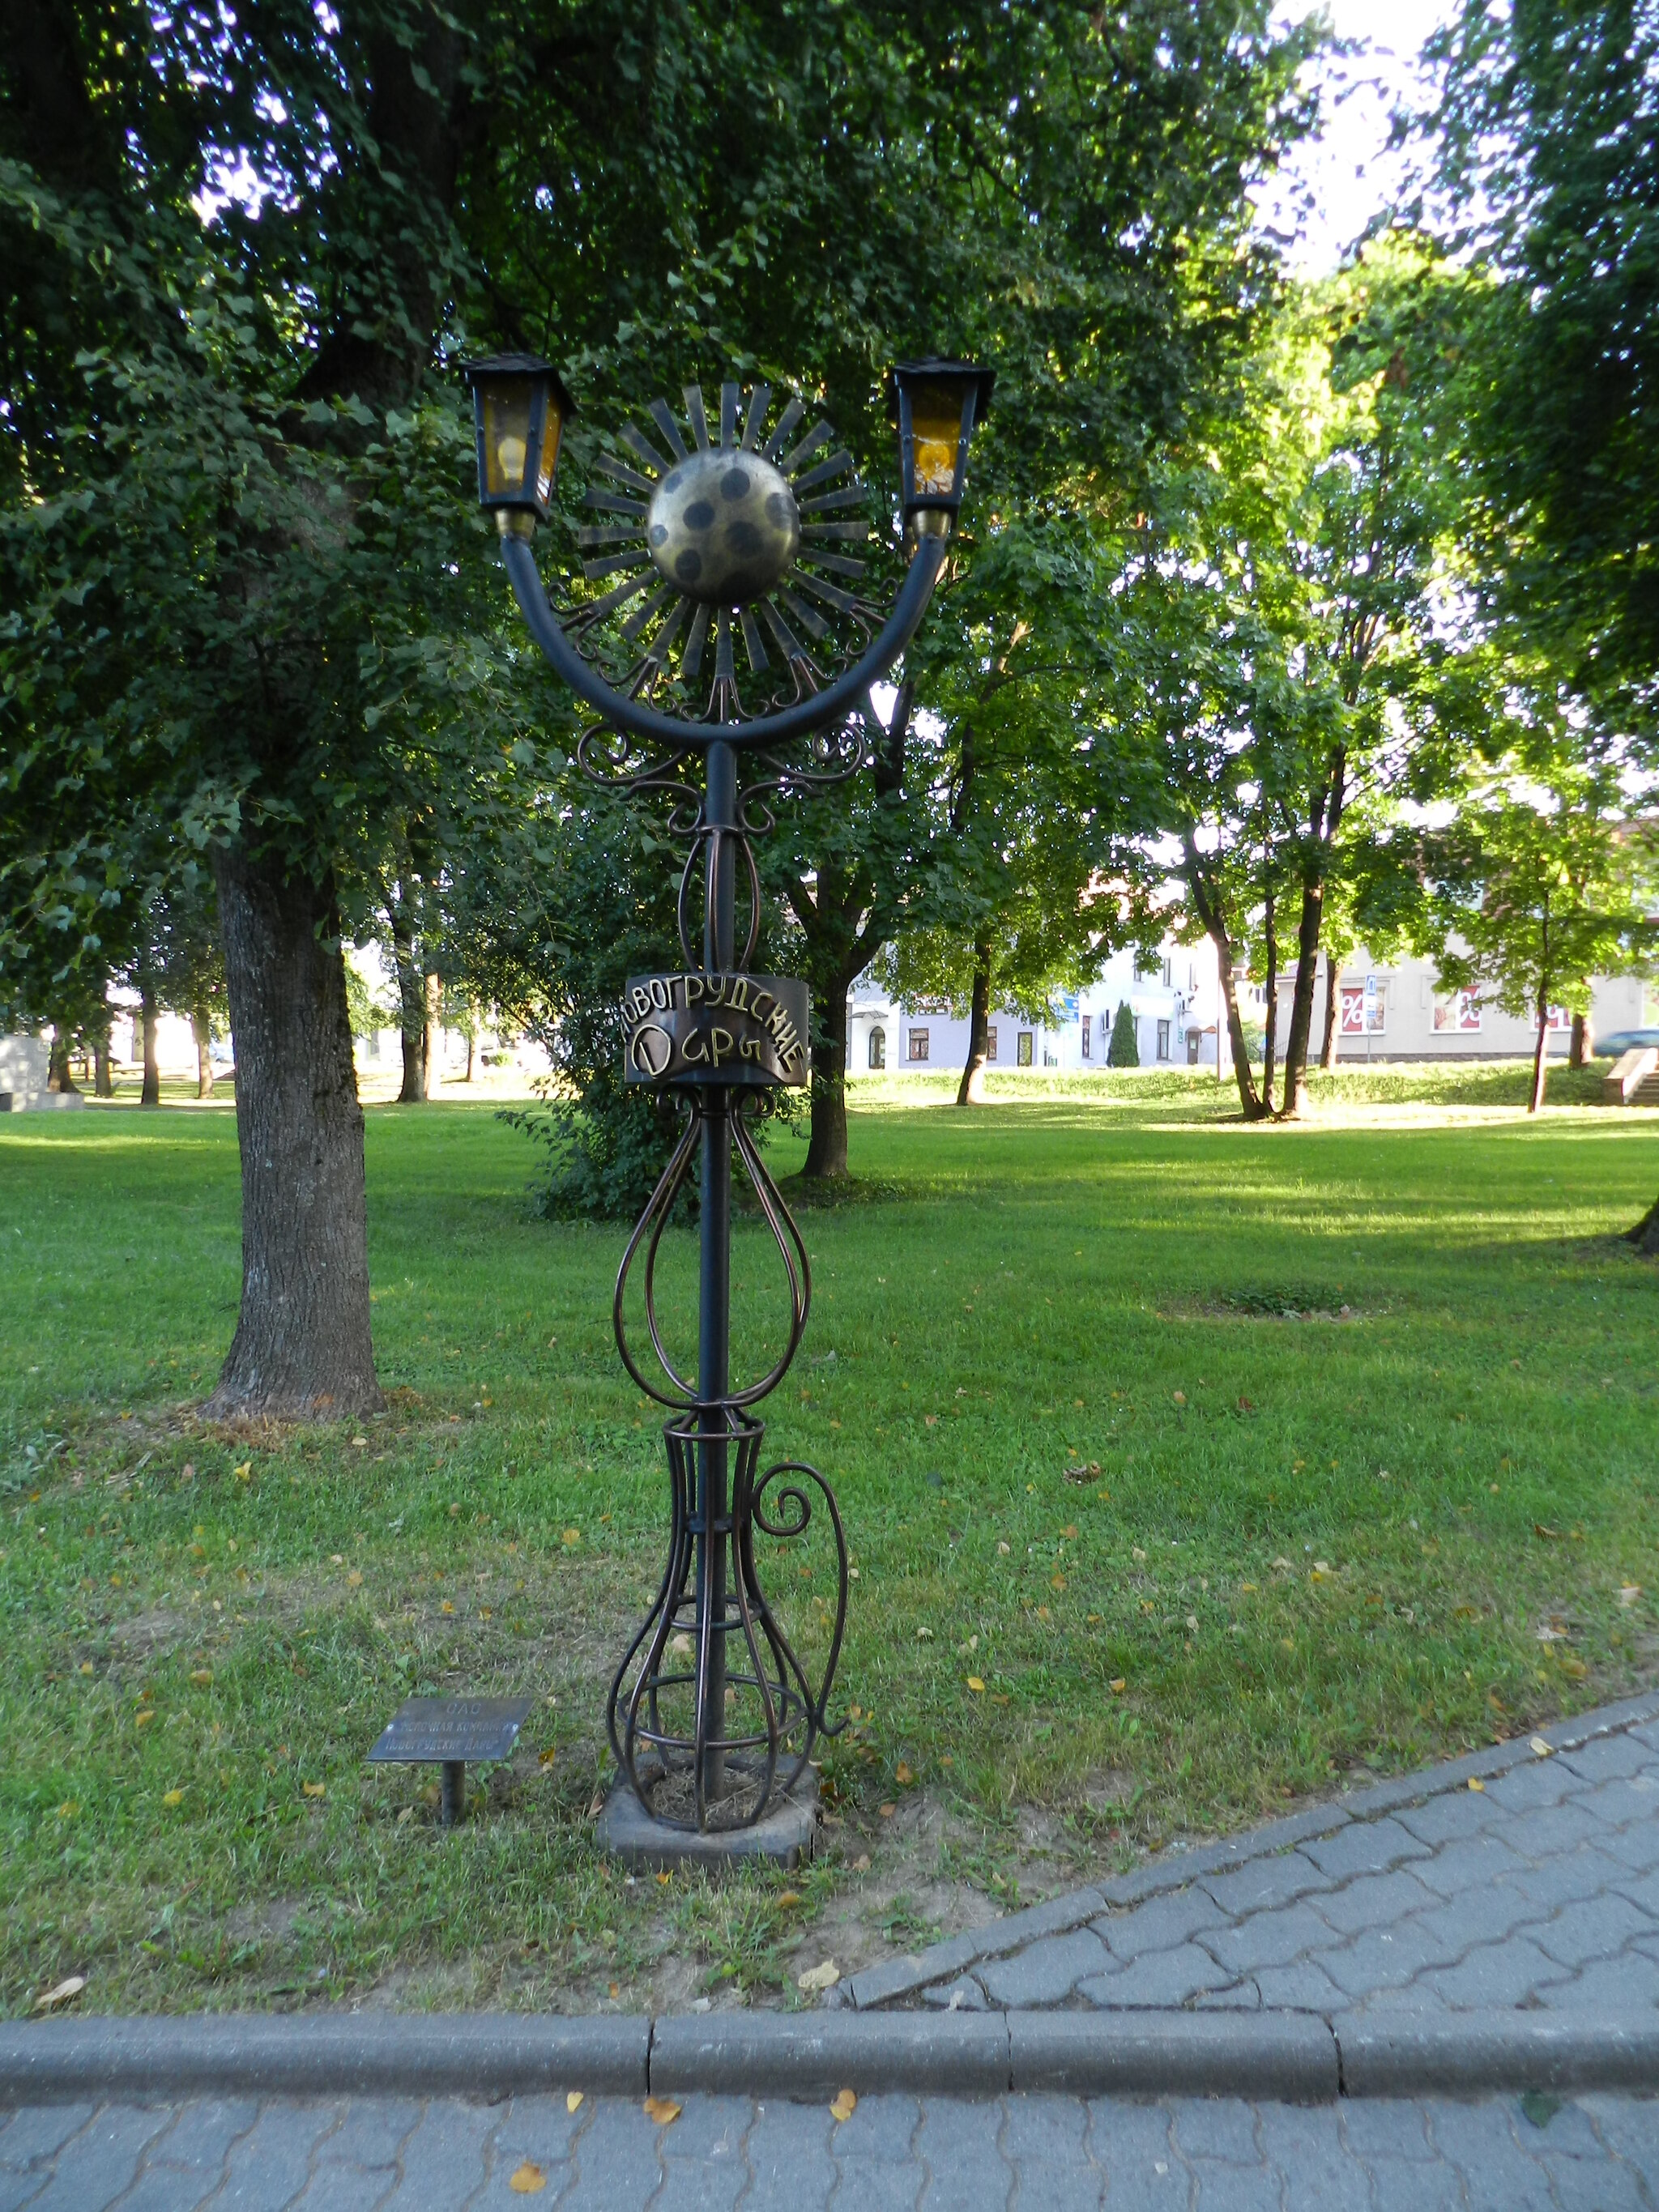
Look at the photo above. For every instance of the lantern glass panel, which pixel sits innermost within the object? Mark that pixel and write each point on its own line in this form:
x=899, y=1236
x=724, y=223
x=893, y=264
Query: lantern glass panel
x=507, y=408
x=936, y=438
x=552, y=430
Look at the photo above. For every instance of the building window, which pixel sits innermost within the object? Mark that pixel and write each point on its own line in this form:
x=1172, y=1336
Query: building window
x=1087, y=1033
x=917, y=1044
x=878, y=1048
x=1163, y=1040
x=1559, y=1018
x=1023, y=1051
x=1460, y=1011
x=991, y=1041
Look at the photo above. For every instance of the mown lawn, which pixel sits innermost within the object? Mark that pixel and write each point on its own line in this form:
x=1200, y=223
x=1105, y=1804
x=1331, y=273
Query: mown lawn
x=1374, y=1406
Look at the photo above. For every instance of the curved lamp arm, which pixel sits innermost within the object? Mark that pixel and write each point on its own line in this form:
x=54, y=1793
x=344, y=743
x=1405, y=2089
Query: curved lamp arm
x=816, y=712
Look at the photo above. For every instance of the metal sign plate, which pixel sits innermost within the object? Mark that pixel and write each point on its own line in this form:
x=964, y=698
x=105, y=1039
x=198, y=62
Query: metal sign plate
x=692, y=1027
x=453, y=1727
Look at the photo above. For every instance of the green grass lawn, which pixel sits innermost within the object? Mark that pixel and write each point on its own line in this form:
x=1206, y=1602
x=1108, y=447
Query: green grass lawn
x=1232, y=1463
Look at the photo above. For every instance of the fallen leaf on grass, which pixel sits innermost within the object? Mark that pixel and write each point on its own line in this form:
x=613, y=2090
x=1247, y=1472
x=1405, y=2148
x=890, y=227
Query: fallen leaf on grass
x=527, y=2180
x=663, y=2110
x=142, y=1720
x=888, y=1811
x=1628, y=1594
x=172, y=1796
x=448, y=1606
x=1538, y=1530
x=1570, y=1665
x=975, y=1684
x=843, y=2104
x=788, y=1897
x=573, y=1536
x=548, y=1756
x=824, y=1976
x=70, y=1987
x=315, y=1789
x=201, y=1676
x=904, y=1774
x=1117, y=1686
x=1057, y=1582
x=355, y=1579
x=573, y=2099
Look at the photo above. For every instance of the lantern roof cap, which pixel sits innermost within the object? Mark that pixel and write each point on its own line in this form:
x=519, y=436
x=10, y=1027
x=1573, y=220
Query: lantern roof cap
x=520, y=364
x=984, y=379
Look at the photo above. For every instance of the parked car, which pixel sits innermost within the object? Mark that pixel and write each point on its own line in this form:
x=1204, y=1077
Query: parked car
x=1623, y=1041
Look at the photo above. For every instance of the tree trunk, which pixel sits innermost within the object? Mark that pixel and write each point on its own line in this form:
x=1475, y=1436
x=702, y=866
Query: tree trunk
x=1306, y=974
x=1645, y=1235
x=1578, y=1048
x=1539, y=1056
x=431, y=1036
x=1271, y=936
x=103, y=1080
x=60, y=1072
x=972, y=1091
x=470, y=1042
x=302, y=1348
x=1212, y=915
x=1327, y=1050
x=201, y=1029
x=411, y=1012
x=151, y=1093
x=826, y=1149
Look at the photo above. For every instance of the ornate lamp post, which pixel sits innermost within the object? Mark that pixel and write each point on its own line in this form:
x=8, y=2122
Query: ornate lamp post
x=732, y=535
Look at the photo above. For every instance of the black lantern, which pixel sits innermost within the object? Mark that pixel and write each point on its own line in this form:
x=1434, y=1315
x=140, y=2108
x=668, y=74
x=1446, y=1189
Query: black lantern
x=519, y=407
x=939, y=403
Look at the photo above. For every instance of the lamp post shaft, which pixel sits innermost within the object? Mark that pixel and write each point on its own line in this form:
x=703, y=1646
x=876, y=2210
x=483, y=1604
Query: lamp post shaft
x=715, y=1287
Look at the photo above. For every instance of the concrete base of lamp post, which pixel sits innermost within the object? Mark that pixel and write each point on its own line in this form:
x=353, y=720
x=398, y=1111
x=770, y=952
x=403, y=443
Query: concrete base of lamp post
x=783, y=1837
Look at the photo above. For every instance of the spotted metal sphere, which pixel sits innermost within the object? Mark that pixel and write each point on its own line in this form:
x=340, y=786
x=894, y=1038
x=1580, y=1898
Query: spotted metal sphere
x=724, y=527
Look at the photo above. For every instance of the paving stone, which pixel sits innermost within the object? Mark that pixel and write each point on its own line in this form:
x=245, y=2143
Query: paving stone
x=447, y=2159
x=1606, y=1756
x=1076, y=2186
x=372, y=2134
x=1229, y=2189
x=346, y=2189
x=1364, y=1847
x=788, y=2154
x=871, y=2185
x=1630, y=2127
x=960, y=2147
x=1479, y=2141
x=541, y=2129
x=1636, y=1846
x=199, y=2141
x=38, y=2131
x=1496, y=1974
x=1382, y=1959
x=1382, y=2127
x=268, y=2166
x=1162, y=1978
x=1303, y=1986
x=1132, y=2144
x=1045, y=1972
x=1466, y=1863
x=1549, y=1830
x=1237, y=1996
x=1581, y=1873
x=1412, y=1998
x=1161, y=1923
x=690, y=2187
x=881, y=2128
x=1452, y=1817
x=1268, y=1939
x=1398, y=2186
x=1595, y=1928
x=1482, y=1915
x=964, y=1995
x=1541, y=1782
x=1621, y=1803
x=1630, y=1979
x=1056, y=2128
x=1264, y=1885
x=1374, y=1901
x=615, y=2159
x=1642, y=1890
x=1304, y=2145
x=94, y=2167
x=1607, y=2186
x=1215, y=2128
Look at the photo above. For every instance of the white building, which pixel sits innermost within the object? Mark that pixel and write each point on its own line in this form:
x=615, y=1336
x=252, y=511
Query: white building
x=1396, y=1012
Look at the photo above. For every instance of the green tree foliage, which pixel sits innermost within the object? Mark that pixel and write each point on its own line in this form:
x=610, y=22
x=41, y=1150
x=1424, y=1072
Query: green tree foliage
x=1124, y=1049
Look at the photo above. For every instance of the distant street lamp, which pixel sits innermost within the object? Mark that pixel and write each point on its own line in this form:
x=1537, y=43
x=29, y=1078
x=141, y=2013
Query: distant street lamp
x=720, y=536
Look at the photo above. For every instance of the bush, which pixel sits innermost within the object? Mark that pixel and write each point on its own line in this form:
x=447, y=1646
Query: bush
x=1123, y=1051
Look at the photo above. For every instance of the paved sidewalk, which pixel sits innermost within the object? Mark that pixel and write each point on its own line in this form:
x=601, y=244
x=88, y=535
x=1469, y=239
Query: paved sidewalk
x=1591, y=2153
x=1538, y=1887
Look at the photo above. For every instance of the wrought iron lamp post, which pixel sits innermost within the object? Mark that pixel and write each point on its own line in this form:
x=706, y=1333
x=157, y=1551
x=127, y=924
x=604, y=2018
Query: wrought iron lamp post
x=732, y=534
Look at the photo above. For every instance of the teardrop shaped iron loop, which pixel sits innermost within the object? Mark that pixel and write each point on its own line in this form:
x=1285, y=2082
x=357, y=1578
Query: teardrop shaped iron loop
x=702, y=835
x=781, y=1223
x=661, y=1606
x=652, y=1222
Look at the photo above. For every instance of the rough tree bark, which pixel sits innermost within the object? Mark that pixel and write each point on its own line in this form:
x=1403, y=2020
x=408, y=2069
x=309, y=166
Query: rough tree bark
x=1307, y=968
x=302, y=1348
x=151, y=1093
x=202, y=1030
x=411, y=1008
x=1270, y=938
x=1578, y=1046
x=60, y=1072
x=972, y=1091
x=431, y=1033
x=1327, y=1049
x=1212, y=915
x=1540, y=1061
x=826, y=1147
x=103, y=1081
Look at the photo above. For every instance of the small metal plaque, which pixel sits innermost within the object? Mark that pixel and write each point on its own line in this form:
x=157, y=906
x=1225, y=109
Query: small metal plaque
x=692, y=1027
x=453, y=1727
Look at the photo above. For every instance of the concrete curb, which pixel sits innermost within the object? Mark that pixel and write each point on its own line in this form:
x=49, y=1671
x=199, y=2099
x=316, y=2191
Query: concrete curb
x=897, y=1980
x=1281, y=2057
x=224, y=2054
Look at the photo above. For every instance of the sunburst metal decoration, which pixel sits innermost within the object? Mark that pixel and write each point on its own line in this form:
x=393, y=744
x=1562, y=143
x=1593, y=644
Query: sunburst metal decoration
x=718, y=542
